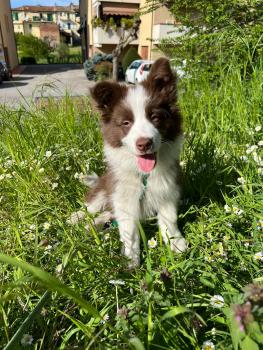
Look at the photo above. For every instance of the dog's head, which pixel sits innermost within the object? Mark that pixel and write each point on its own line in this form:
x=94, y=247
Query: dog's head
x=140, y=117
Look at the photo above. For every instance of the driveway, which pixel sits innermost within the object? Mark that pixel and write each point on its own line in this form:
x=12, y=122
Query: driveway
x=44, y=80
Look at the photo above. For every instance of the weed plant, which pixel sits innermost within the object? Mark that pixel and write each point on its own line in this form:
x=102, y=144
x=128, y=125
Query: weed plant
x=66, y=286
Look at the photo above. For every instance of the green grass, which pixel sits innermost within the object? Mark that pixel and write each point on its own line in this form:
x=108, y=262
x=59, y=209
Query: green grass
x=164, y=304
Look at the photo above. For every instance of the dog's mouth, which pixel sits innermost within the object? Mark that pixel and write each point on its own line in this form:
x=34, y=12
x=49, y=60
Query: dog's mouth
x=146, y=162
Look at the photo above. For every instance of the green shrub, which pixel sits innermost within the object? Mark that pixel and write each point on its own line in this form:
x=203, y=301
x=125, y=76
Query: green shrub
x=214, y=52
x=27, y=60
x=130, y=56
x=104, y=70
x=30, y=46
x=89, y=70
x=63, y=52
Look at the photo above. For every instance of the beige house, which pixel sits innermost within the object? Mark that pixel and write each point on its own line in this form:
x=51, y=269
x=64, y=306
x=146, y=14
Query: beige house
x=47, y=31
x=7, y=39
x=103, y=38
x=30, y=19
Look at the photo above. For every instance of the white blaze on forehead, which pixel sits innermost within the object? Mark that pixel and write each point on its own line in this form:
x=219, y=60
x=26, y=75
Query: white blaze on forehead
x=137, y=99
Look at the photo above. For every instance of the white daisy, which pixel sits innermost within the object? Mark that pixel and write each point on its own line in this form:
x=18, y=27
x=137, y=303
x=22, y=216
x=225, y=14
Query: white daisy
x=117, y=282
x=260, y=143
x=258, y=128
x=217, y=301
x=260, y=225
x=54, y=185
x=27, y=339
x=41, y=170
x=241, y=180
x=251, y=149
x=208, y=345
x=105, y=318
x=152, y=243
x=237, y=211
x=244, y=158
x=48, y=154
x=258, y=256
x=46, y=225
x=227, y=208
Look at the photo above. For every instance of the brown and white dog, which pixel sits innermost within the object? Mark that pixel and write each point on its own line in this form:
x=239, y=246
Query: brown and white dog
x=142, y=132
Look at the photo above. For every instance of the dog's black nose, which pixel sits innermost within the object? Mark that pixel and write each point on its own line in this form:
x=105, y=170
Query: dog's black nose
x=143, y=144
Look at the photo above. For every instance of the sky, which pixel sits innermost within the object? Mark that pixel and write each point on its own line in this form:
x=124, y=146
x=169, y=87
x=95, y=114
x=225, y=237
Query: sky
x=16, y=3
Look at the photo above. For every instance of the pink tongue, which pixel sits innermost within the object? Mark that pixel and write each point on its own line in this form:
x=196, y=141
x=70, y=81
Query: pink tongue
x=146, y=162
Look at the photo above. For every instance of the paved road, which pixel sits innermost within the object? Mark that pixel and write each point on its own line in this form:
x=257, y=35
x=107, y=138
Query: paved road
x=44, y=80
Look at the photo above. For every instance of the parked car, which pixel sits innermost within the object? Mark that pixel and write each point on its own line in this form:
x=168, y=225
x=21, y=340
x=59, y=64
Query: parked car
x=143, y=71
x=131, y=71
x=130, y=74
x=5, y=72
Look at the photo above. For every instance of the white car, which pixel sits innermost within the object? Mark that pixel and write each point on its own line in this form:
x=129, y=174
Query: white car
x=143, y=71
x=131, y=72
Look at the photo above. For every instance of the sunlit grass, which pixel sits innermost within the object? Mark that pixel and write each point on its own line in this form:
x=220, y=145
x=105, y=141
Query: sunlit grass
x=95, y=303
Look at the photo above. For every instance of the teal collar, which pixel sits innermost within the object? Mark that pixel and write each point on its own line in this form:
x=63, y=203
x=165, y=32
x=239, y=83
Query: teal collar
x=144, y=180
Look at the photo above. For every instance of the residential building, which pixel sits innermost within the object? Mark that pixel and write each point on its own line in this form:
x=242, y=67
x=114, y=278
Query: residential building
x=100, y=18
x=47, y=31
x=28, y=19
x=7, y=38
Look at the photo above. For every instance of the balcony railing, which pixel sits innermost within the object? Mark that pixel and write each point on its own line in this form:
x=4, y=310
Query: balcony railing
x=101, y=37
x=166, y=31
x=96, y=3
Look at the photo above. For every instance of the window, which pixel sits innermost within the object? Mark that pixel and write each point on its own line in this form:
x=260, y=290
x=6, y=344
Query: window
x=135, y=65
x=30, y=27
x=15, y=16
x=69, y=25
x=50, y=17
x=147, y=67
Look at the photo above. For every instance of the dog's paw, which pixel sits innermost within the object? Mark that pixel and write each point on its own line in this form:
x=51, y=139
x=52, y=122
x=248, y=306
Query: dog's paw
x=133, y=264
x=178, y=245
x=76, y=217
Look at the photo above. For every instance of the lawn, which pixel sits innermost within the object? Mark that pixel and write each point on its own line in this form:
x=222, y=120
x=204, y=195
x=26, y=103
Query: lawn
x=66, y=287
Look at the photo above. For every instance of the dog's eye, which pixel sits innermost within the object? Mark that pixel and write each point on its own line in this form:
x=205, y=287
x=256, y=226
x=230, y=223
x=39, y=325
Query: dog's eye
x=155, y=118
x=126, y=123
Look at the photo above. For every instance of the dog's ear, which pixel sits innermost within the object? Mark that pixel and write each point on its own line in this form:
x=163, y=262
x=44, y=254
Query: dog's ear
x=106, y=95
x=162, y=79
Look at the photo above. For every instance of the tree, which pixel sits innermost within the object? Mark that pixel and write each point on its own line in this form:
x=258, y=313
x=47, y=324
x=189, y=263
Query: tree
x=218, y=32
x=210, y=16
x=127, y=36
x=31, y=46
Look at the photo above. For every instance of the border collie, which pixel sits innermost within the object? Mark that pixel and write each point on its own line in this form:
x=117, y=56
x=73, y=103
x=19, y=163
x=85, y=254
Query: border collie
x=142, y=131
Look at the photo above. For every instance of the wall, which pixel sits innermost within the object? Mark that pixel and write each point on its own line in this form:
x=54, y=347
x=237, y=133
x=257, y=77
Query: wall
x=7, y=33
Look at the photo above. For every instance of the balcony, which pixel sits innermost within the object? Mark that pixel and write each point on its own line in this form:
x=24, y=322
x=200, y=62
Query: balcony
x=166, y=31
x=96, y=3
x=102, y=37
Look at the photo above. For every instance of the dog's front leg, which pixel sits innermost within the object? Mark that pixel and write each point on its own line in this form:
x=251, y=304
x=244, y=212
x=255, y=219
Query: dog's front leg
x=167, y=219
x=130, y=238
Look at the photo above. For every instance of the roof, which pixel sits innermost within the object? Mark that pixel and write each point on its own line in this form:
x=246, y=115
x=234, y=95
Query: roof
x=39, y=8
